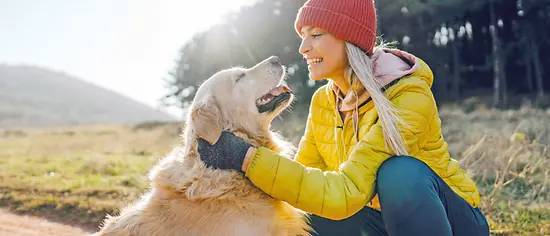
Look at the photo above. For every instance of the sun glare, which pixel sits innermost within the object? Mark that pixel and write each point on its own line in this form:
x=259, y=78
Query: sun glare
x=166, y=26
x=126, y=46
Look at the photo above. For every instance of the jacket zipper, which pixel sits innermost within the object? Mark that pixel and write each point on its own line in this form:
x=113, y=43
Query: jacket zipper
x=339, y=136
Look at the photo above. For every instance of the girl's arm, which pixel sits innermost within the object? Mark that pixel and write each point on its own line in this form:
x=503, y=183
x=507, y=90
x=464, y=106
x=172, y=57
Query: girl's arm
x=341, y=193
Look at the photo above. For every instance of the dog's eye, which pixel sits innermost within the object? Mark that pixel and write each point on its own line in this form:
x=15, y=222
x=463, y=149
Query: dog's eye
x=240, y=76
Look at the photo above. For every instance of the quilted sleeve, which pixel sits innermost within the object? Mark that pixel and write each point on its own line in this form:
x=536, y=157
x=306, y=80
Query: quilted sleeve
x=307, y=154
x=341, y=193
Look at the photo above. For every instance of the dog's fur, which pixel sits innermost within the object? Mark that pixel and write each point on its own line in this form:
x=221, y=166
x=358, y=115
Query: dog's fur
x=187, y=198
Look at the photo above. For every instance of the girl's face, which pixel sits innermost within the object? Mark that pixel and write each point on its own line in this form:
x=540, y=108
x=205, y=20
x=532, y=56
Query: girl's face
x=325, y=54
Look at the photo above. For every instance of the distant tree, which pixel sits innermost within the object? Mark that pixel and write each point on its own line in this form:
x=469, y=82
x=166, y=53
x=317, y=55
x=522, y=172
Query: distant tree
x=501, y=45
x=246, y=38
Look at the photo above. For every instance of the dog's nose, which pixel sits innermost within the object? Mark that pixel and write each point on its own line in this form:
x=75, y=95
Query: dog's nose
x=275, y=60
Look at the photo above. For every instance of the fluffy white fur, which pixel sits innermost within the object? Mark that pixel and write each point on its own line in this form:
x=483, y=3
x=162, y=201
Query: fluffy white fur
x=187, y=198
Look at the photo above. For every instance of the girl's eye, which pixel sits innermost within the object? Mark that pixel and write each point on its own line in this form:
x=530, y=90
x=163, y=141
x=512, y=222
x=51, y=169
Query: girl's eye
x=316, y=35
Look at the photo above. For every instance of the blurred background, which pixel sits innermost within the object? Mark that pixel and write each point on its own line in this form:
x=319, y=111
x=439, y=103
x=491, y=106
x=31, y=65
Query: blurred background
x=93, y=93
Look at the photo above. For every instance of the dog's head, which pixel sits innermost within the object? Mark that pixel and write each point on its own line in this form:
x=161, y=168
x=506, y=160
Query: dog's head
x=243, y=99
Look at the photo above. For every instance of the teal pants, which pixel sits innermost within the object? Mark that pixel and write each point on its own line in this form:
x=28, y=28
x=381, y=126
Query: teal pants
x=414, y=201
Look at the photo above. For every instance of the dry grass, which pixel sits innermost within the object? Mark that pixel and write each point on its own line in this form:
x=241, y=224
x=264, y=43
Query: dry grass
x=79, y=174
x=507, y=153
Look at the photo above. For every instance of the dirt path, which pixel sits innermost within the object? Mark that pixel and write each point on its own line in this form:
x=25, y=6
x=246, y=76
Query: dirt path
x=12, y=224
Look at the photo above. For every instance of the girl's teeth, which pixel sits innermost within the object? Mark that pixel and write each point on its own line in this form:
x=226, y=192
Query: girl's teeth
x=314, y=61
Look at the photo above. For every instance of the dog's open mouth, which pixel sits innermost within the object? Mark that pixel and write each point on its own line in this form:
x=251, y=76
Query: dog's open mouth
x=270, y=101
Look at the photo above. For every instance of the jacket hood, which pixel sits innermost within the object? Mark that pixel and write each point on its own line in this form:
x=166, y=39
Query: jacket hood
x=391, y=64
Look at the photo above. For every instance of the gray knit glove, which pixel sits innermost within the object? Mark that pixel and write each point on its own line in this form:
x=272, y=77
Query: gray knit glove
x=227, y=153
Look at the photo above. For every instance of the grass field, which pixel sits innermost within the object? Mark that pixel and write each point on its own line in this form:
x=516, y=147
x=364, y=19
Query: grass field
x=77, y=175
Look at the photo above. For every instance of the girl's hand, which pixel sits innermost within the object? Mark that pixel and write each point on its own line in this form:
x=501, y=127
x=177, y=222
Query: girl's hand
x=228, y=152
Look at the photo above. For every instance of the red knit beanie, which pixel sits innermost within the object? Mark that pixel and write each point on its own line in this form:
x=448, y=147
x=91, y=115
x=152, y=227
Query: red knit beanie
x=350, y=20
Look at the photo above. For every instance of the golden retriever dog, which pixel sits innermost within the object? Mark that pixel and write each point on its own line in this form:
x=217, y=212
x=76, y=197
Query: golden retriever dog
x=186, y=197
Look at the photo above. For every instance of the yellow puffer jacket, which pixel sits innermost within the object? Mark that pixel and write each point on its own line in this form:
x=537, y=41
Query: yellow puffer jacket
x=319, y=183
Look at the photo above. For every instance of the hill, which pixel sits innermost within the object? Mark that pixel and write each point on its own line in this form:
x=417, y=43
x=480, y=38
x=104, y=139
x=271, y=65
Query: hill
x=37, y=97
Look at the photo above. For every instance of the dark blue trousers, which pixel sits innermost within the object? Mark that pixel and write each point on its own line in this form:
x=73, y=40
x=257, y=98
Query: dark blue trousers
x=415, y=201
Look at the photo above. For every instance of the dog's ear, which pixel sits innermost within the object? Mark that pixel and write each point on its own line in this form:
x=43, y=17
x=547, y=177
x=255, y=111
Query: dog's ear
x=207, y=121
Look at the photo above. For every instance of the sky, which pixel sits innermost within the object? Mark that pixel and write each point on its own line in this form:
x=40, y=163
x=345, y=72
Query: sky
x=127, y=46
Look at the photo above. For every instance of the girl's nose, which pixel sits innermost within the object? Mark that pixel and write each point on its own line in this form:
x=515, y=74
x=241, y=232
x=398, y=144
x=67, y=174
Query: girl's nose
x=305, y=47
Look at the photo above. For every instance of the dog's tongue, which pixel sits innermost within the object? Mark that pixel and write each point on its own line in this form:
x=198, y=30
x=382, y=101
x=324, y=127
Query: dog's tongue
x=276, y=91
x=286, y=88
x=279, y=90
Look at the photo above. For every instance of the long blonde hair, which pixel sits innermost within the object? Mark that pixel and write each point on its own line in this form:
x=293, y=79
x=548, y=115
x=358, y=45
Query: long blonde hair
x=361, y=73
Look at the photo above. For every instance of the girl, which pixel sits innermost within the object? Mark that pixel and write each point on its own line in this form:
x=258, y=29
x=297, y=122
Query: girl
x=372, y=160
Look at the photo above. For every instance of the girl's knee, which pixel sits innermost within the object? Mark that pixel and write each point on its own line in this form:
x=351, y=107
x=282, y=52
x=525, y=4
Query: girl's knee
x=402, y=179
x=402, y=168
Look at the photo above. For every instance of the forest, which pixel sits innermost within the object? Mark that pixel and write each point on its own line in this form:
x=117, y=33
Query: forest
x=493, y=49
